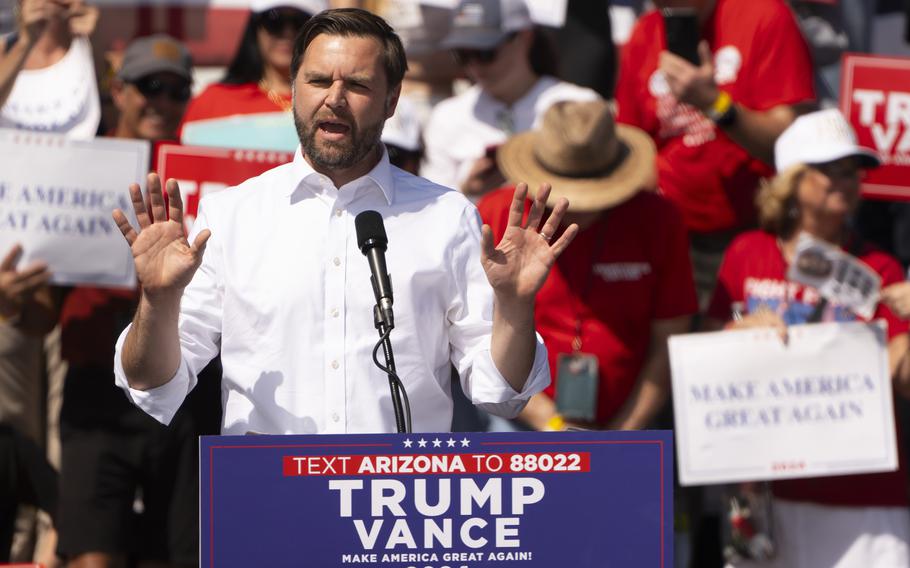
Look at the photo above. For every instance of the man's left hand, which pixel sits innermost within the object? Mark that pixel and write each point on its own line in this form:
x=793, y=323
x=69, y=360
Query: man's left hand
x=518, y=266
x=690, y=84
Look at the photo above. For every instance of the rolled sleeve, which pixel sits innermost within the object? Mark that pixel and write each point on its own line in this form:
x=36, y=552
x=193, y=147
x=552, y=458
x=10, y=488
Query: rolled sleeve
x=489, y=390
x=161, y=403
x=471, y=325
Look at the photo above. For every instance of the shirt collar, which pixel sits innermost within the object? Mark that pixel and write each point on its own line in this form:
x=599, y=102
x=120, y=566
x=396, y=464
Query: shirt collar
x=381, y=175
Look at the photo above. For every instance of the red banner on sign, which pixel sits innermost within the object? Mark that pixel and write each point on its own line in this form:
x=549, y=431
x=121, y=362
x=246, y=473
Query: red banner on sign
x=201, y=170
x=875, y=98
x=437, y=464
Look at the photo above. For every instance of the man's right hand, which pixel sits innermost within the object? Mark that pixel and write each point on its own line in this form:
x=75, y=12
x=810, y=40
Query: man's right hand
x=165, y=260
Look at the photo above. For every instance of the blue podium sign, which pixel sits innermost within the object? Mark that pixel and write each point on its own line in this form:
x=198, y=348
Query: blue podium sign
x=524, y=500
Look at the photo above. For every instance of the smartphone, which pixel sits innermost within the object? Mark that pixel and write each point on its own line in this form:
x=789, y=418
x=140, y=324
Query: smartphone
x=681, y=31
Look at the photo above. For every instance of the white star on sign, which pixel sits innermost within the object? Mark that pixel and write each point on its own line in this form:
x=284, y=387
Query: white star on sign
x=408, y=443
x=437, y=442
x=465, y=442
x=422, y=443
x=451, y=443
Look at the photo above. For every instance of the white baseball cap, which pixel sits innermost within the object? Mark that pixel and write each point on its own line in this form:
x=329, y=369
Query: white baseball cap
x=818, y=138
x=484, y=24
x=311, y=7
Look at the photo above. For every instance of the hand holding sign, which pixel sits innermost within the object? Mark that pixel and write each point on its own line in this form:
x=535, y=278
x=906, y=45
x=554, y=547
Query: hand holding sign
x=165, y=260
x=762, y=317
x=18, y=286
x=839, y=277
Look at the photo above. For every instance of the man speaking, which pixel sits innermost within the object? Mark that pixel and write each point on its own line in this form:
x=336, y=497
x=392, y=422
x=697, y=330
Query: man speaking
x=273, y=279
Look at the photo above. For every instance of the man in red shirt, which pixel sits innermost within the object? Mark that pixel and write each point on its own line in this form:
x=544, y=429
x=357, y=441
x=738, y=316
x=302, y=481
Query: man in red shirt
x=715, y=123
x=623, y=285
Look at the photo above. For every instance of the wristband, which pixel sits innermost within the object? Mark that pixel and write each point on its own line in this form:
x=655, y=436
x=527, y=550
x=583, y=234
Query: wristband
x=556, y=423
x=722, y=111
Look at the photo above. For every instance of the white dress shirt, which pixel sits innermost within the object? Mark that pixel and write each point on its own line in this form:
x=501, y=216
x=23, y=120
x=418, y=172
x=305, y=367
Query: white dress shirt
x=462, y=127
x=285, y=294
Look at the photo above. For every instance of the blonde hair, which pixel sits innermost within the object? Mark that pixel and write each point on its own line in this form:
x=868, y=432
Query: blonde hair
x=778, y=210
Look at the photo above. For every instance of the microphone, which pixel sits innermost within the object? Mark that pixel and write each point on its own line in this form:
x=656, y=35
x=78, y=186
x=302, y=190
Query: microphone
x=372, y=242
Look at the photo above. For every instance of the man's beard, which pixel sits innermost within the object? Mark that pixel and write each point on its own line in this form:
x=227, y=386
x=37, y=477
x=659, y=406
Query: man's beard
x=330, y=155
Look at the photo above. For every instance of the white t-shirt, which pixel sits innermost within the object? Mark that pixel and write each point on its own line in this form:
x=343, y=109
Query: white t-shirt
x=462, y=127
x=61, y=98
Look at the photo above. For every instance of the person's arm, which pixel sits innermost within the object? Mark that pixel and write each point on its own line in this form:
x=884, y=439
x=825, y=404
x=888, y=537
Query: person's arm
x=33, y=19
x=25, y=297
x=540, y=413
x=754, y=130
x=165, y=264
x=899, y=359
x=483, y=177
x=897, y=298
x=516, y=268
x=652, y=389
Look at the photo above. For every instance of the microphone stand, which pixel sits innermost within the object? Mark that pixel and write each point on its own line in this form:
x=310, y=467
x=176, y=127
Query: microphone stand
x=403, y=426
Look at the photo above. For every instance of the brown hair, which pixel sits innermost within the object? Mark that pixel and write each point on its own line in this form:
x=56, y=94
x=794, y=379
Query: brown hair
x=778, y=209
x=357, y=23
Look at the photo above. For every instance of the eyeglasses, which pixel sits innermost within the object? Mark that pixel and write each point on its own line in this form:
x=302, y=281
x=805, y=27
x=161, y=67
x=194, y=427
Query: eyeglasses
x=481, y=56
x=275, y=21
x=152, y=87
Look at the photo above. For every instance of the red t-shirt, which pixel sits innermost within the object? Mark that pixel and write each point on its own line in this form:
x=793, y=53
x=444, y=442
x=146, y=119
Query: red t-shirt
x=219, y=100
x=753, y=272
x=641, y=273
x=761, y=59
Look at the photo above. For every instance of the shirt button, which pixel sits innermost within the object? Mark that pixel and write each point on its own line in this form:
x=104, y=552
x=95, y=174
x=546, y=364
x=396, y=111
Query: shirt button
x=338, y=212
x=334, y=364
x=334, y=312
x=336, y=261
x=335, y=417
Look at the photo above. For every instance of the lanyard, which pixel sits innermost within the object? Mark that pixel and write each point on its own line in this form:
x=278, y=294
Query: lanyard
x=578, y=303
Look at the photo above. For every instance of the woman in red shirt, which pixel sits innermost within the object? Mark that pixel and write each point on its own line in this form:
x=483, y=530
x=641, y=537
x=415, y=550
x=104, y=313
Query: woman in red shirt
x=258, y=79
x=841, y=521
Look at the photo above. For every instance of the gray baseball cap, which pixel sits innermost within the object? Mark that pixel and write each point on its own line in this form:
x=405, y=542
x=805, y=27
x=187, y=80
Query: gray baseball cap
x=484, y=24
x=155, y=54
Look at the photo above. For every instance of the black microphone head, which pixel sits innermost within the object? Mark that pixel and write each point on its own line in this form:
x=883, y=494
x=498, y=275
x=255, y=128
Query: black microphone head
x=370, y=230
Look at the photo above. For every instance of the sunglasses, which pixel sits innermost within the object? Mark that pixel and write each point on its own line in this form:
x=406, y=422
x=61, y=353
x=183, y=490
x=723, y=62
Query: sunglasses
x=840, y=169
x=481, y=56
x=275, y=21
x=152, y=87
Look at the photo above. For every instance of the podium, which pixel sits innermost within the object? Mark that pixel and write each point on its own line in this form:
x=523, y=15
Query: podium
x=456, y=500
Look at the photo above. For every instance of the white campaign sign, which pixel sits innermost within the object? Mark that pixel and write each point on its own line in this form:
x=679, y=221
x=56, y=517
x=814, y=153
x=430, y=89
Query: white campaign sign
x=56, y=199
x=749, y=407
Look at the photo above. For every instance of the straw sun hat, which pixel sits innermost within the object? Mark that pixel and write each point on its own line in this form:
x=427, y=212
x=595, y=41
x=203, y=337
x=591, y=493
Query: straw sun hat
x=587, y=158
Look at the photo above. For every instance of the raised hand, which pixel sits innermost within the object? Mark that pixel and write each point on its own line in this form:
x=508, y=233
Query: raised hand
x=81, y=17
x=689, y=83
x=34, y=16
x=165, y=260
x=897, y=297
x=17, y=287
x=518, y=266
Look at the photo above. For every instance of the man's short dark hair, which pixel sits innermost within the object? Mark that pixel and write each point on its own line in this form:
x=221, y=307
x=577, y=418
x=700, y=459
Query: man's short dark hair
x=357, y=23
